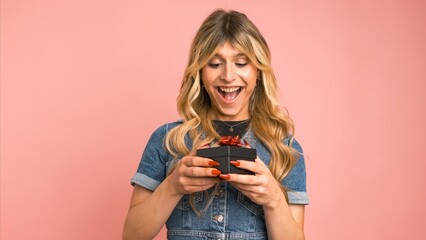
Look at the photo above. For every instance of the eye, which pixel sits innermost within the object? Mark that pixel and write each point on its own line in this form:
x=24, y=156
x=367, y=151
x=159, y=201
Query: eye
x=241, y=64
x=214, y=65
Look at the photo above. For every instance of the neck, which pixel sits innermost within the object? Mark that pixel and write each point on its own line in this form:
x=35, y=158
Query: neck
x=230, y=118
x=217, y=115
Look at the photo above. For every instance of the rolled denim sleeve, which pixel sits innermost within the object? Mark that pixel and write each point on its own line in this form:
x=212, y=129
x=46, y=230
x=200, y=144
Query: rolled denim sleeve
x=295, y=182
x=152, y=167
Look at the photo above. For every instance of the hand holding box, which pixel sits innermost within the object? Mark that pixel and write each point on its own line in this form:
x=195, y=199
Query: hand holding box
x=230, y=149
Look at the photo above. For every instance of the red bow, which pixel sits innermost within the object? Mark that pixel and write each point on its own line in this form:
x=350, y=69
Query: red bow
x=231, y=141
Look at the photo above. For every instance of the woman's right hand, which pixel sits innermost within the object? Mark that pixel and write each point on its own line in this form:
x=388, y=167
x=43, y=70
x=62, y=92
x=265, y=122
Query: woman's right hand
x=194, y=174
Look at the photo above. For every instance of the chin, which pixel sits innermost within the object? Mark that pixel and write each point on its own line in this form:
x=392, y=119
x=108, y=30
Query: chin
x=230, y=114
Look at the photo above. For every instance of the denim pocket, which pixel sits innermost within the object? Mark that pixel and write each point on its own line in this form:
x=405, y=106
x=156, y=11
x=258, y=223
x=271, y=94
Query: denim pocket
x=254, y=208
x=183, y=204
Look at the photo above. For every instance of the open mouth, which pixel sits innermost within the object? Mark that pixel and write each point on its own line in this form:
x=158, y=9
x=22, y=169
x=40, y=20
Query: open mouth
x=229, y=93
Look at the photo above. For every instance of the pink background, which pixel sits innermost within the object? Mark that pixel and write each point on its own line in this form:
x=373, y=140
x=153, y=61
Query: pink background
x=84, y=83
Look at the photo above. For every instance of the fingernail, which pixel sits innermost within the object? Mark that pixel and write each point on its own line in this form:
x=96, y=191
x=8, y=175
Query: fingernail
x=213, y=163
x=216, y=172
x=235, y=163
x=225, y=176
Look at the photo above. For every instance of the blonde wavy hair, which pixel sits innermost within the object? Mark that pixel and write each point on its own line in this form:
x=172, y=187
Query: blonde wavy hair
x=269, y=121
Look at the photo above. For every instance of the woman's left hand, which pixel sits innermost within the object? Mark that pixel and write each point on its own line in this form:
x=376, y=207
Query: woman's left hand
x=262, y=188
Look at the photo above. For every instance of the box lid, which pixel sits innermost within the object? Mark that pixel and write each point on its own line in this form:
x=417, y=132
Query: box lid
x=228, y=151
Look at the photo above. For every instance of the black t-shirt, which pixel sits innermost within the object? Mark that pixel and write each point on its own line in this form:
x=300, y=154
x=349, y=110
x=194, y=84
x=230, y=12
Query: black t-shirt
x=231, y=128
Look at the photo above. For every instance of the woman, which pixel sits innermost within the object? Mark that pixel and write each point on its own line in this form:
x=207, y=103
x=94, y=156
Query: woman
x=228, y=89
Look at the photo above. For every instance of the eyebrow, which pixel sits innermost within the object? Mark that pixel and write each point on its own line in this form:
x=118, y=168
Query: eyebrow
x=236, y=55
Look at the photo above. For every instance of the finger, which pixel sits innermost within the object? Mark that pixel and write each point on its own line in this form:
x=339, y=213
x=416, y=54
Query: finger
x=200, y=172
x=257, y=166
x=194, y=161
x=240, y=178
x=200, y=181
x=197, y=187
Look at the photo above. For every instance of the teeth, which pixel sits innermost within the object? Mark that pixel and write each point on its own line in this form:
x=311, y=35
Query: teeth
x=232, y=89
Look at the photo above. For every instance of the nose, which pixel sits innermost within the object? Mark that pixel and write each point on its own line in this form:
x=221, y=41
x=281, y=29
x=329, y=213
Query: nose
x=228, y=73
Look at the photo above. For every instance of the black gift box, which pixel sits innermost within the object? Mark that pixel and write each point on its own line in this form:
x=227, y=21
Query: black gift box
x=224, y=154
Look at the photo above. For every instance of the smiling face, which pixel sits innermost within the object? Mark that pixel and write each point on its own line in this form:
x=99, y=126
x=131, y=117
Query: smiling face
x=229, y=79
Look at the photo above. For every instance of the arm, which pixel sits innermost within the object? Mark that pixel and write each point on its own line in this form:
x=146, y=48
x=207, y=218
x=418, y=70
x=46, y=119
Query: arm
x=150, y=210
x=145, y=217
x=283, y=221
